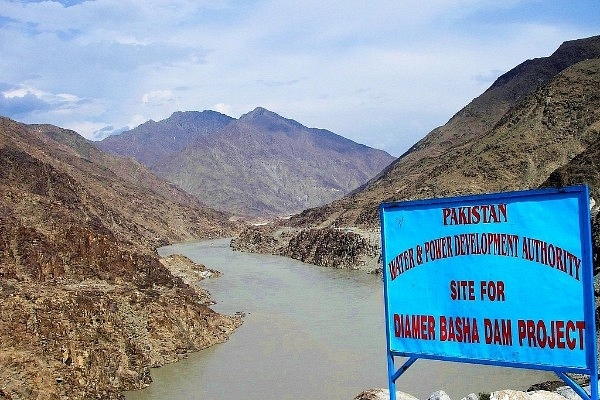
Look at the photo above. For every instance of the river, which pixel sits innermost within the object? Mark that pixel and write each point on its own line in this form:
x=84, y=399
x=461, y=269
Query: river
x=309, y=333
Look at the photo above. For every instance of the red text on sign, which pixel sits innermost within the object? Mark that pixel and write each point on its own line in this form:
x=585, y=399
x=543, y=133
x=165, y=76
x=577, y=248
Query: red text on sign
x=557, y=334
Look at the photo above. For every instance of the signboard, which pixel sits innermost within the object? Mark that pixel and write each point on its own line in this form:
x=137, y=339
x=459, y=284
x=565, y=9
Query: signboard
x=503, y=279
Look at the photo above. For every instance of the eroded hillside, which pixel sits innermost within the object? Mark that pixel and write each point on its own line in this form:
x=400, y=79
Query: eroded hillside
x=86, y=308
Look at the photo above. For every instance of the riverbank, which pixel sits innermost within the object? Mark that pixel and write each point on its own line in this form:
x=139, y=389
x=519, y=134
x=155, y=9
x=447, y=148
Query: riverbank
x=559, y=393
x=340, y=248
x=95, y=338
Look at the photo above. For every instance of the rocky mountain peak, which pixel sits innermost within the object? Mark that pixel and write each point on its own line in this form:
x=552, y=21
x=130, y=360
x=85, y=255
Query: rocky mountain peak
x=152, y=142
x=195, y=117
x=257, y=112
x=270, y=121
x=260, y=164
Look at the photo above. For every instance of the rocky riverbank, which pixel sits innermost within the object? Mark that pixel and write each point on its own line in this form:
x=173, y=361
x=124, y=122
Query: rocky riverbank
x=560, y=392
x=95, y=338
x=349, y=248
x=86, y=307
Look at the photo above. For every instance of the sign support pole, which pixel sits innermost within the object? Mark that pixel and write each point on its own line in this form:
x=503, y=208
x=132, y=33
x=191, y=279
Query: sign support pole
x=578, y=389
x=393, y=375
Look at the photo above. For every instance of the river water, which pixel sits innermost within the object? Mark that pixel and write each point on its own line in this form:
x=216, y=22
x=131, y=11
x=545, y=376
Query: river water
x=309, y=333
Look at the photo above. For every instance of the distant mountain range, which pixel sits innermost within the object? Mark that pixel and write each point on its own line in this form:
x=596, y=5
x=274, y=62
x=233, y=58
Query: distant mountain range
x=537, y=125
x=259, y=165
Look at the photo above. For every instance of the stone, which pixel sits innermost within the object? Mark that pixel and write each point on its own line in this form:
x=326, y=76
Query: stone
x=439, y=395
x=383, y=394
x=509, y=395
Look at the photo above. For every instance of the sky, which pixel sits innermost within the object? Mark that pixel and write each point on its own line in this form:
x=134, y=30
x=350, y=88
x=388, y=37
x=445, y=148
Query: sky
x=383, y=73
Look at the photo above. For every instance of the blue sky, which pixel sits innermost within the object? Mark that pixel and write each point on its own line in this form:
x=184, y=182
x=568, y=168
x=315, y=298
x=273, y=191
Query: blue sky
x=383, y=72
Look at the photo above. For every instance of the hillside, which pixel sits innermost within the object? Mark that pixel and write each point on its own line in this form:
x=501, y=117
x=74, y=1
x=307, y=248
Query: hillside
x=260, y=164
x=86, y=307
x=502, y=140
x=532, y=121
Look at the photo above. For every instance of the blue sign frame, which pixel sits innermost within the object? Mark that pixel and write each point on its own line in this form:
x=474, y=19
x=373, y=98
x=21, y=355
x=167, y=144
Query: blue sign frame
x=459, y=277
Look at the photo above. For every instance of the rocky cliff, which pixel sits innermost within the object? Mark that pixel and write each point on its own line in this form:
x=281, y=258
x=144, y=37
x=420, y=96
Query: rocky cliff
x=86, y=308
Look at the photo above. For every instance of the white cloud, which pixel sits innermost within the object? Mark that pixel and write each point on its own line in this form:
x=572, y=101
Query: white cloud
x=136, y=120
x=158, y=97
x=87, y=129
x=25, y=100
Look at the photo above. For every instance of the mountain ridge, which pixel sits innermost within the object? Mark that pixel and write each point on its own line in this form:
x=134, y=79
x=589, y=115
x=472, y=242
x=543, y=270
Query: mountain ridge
x=184, y=128
x=471, y=124
x=263, y=164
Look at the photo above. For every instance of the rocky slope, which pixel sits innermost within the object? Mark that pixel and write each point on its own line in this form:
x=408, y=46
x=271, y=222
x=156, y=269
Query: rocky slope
x=532, y=121
x=260, y=164
x=86, y=308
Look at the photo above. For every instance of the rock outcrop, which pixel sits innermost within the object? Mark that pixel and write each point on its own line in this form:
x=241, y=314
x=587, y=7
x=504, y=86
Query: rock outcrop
x=326, y=247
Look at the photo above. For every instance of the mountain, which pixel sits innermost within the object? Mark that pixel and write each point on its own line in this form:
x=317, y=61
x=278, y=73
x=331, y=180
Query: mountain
x=528, y=123
x=86, y=306
x=259, y=164
x=152, y=142
x=533, y=120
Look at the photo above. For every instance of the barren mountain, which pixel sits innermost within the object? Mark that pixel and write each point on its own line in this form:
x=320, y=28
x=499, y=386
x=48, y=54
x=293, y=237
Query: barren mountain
x=153, y=142
x=86, y=308
x=259, y=164
x=533, y=120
